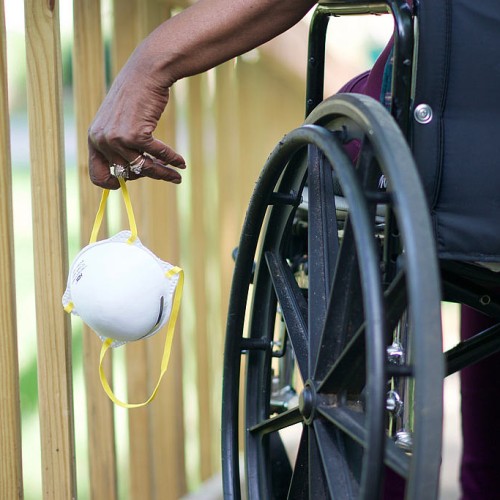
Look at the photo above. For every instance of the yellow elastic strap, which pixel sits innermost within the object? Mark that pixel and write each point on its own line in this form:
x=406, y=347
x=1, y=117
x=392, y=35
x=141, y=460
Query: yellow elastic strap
x=130, y=212
x=99, y=216
x=166, y=351
x=102, y=207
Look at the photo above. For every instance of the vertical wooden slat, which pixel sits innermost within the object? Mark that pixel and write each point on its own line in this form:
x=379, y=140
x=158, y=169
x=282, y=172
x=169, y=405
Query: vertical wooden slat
x=11, y=483
x=44, y=84
x=282, y=100
x=156, y=433
x=126, y=32
x=270, y=106
x=253, y=126
x=125, y=37
x=167, y=412
x=197, y=278
x=231, y=208
x=89, y=90
x=229, y=169
x=158, y=224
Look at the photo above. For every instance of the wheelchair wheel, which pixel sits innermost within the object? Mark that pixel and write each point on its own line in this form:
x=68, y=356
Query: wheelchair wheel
x=344, y=363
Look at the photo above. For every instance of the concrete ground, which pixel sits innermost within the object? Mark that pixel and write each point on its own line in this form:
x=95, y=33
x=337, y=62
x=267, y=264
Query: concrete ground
x=452, y=445
x=452, y=435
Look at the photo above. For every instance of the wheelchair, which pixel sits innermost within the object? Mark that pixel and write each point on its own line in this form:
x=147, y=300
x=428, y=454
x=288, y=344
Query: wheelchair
x=334, y=317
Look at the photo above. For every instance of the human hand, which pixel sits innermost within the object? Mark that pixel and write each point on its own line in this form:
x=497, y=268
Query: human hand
x=121, y=134
x=200, y=37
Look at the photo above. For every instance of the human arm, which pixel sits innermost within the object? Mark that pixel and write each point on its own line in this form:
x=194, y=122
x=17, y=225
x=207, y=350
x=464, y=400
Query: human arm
x=199, y=38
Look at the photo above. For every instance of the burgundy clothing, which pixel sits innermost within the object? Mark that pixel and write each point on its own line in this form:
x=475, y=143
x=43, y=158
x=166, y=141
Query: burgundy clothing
x=370, y=82
x=480, y=468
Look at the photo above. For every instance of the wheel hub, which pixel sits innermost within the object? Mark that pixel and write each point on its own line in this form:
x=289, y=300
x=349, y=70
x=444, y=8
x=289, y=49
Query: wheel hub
x=307, y=402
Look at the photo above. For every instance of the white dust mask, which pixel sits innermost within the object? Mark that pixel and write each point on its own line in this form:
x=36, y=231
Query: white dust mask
x=123, y=291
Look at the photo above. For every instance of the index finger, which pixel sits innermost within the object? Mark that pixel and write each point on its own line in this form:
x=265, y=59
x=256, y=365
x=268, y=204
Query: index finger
x=164, y=153
x=157, y=170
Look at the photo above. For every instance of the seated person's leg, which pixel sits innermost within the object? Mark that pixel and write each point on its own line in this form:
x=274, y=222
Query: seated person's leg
x=480, y=472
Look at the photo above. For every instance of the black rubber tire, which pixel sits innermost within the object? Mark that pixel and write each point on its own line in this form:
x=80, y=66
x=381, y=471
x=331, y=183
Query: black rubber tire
x=361, y=285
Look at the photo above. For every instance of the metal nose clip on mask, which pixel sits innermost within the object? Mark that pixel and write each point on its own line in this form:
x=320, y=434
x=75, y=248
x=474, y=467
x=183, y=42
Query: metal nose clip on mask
x=123, y=291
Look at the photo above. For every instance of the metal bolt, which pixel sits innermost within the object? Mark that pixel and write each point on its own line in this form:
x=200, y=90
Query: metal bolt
x=423, y=113
x=393, y=403
x=485, y=300
x=404, y=440
x=396, y=353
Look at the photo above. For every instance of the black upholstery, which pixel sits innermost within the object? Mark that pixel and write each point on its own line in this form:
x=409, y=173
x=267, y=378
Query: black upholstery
x=458, y=151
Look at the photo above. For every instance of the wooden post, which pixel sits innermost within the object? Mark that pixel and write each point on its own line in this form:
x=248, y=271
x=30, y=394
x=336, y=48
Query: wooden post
x=156, y=433
x=231, y=208
x=89, y=90
x=11, y=481
x=44, y=84
x=167, y=439
x=159, y=228
x=270, y=106
x=197, y=278
x=126, y=24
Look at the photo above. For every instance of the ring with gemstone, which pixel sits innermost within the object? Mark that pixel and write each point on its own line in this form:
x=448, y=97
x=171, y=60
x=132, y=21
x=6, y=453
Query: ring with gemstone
x=119, y=170
x=137, y=164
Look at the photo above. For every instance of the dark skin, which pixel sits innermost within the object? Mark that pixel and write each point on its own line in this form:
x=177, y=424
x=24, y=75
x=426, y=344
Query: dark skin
x=206, y=34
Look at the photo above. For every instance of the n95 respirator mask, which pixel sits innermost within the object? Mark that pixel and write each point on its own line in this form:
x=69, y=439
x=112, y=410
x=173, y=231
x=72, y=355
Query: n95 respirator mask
x=123, y=291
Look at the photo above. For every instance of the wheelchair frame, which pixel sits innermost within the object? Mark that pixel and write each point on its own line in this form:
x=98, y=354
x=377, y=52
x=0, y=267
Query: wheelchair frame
x=279, y=192
x=462, y=283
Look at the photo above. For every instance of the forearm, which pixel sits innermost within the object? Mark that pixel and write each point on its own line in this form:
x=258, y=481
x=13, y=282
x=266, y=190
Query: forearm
x=201, y=37
x=211, y=32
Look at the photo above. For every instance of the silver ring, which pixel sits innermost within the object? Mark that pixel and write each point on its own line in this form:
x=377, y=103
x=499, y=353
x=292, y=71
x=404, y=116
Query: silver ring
x=133, y=162
x=119, y=170
x=137, y=164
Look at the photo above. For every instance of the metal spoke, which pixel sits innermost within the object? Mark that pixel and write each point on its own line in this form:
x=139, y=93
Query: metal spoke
x=345, y=307
x=348, y=372
x=336, y=452
x=396, y=301
x=293, y=307
x=299, y=485
x=352, y=423
x=349, y=421
x=323, y=244
x=318, y=483
x=281, y=421
x=282, y=470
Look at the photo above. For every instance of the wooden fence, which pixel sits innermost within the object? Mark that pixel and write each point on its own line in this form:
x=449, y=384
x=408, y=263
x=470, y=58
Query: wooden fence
x=225, y=122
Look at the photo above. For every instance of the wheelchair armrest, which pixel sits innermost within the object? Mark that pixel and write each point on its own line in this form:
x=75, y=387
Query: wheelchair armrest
x=355, y=7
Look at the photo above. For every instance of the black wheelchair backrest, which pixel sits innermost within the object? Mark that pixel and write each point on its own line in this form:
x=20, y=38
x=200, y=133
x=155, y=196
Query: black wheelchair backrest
x=456, y=124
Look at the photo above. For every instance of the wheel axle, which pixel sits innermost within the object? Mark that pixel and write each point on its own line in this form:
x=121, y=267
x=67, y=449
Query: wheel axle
x=307, y=403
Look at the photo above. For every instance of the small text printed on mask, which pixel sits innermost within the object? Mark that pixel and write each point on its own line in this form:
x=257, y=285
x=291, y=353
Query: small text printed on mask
x=78, y=271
